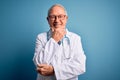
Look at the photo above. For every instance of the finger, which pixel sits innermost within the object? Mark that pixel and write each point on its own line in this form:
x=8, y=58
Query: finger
x=38, y=70
x=43, y=73
x=41, y=65
x=41, y=70
x=60, y=30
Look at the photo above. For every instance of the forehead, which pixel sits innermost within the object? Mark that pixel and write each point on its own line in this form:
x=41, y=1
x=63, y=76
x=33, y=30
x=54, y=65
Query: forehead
x=56, y=10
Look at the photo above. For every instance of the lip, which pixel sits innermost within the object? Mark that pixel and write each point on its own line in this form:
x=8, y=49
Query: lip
x=56, y=24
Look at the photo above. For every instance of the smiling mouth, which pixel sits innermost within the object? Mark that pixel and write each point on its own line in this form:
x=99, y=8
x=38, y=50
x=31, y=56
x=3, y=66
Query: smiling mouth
x=56, y=25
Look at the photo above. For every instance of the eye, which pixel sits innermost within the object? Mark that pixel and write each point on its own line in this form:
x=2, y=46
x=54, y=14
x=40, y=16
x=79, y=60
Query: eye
x=60, y=16
x=52, y=16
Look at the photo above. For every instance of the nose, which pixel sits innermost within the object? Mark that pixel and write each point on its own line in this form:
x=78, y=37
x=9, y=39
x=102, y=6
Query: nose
x=56, y=19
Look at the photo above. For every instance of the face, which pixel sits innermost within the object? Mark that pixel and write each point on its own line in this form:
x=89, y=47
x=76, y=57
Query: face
x=57, y=18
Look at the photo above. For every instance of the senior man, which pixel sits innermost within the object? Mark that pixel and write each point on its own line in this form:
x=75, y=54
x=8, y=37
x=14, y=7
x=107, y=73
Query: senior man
x=58, y=53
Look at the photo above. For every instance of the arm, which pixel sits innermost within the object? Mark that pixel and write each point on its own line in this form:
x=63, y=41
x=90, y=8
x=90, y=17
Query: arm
x=72, y=67
x=44, y=51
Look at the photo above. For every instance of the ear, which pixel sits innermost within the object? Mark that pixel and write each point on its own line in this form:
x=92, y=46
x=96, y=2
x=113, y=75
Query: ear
x=66, y=17
x=47, y=19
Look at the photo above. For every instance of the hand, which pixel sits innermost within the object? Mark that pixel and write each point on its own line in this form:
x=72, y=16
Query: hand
x=45, y=69
x=58, y=34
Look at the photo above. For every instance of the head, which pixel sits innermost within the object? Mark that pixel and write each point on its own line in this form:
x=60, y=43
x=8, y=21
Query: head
x=57, y=16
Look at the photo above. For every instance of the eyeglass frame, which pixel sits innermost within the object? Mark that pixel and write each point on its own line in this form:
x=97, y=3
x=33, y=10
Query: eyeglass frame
x=60, y=17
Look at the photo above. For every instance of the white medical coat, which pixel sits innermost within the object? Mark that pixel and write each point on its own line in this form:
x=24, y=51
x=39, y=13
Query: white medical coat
x=68, y=58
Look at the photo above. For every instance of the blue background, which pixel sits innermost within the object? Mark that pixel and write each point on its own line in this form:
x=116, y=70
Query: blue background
x=96, y=21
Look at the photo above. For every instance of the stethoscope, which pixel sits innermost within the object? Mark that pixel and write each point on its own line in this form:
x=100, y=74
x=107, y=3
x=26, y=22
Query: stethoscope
x=65, y=38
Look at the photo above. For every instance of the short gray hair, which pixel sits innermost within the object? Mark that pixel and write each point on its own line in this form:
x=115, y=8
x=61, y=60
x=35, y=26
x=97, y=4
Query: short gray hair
x=59, y=6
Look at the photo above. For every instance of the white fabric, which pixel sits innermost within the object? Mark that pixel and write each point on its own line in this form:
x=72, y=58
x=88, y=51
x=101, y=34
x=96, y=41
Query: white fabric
x=68, y=58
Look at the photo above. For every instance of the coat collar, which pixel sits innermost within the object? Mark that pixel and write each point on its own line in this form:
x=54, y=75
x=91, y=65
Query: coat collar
x=49, y=34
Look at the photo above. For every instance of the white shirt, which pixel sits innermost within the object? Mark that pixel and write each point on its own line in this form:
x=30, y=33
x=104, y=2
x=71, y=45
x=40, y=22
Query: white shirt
x=68, y=58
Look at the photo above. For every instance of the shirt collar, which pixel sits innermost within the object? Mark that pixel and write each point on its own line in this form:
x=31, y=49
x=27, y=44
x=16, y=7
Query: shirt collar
x=68, y=34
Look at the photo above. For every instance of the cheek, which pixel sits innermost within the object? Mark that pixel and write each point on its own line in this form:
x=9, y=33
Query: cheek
x=50, y=22
x=64, y=22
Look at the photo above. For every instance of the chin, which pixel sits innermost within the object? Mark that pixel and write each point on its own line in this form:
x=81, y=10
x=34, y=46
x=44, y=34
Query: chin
x=57, y=26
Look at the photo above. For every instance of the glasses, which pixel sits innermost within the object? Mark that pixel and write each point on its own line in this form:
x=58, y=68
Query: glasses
x=60, y=17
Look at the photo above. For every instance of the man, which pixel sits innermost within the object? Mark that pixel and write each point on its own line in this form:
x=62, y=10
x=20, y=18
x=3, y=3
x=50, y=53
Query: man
x=58, y=53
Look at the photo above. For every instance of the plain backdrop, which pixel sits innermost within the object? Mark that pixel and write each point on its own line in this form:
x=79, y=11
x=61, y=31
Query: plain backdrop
x=96, y=21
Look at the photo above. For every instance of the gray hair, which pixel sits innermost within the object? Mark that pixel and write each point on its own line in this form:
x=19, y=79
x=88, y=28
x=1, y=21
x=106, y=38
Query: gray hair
x=59, y=6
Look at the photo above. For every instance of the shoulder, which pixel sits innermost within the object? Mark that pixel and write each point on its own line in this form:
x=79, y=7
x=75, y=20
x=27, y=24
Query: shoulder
x=74, y=35
x=42, y=36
